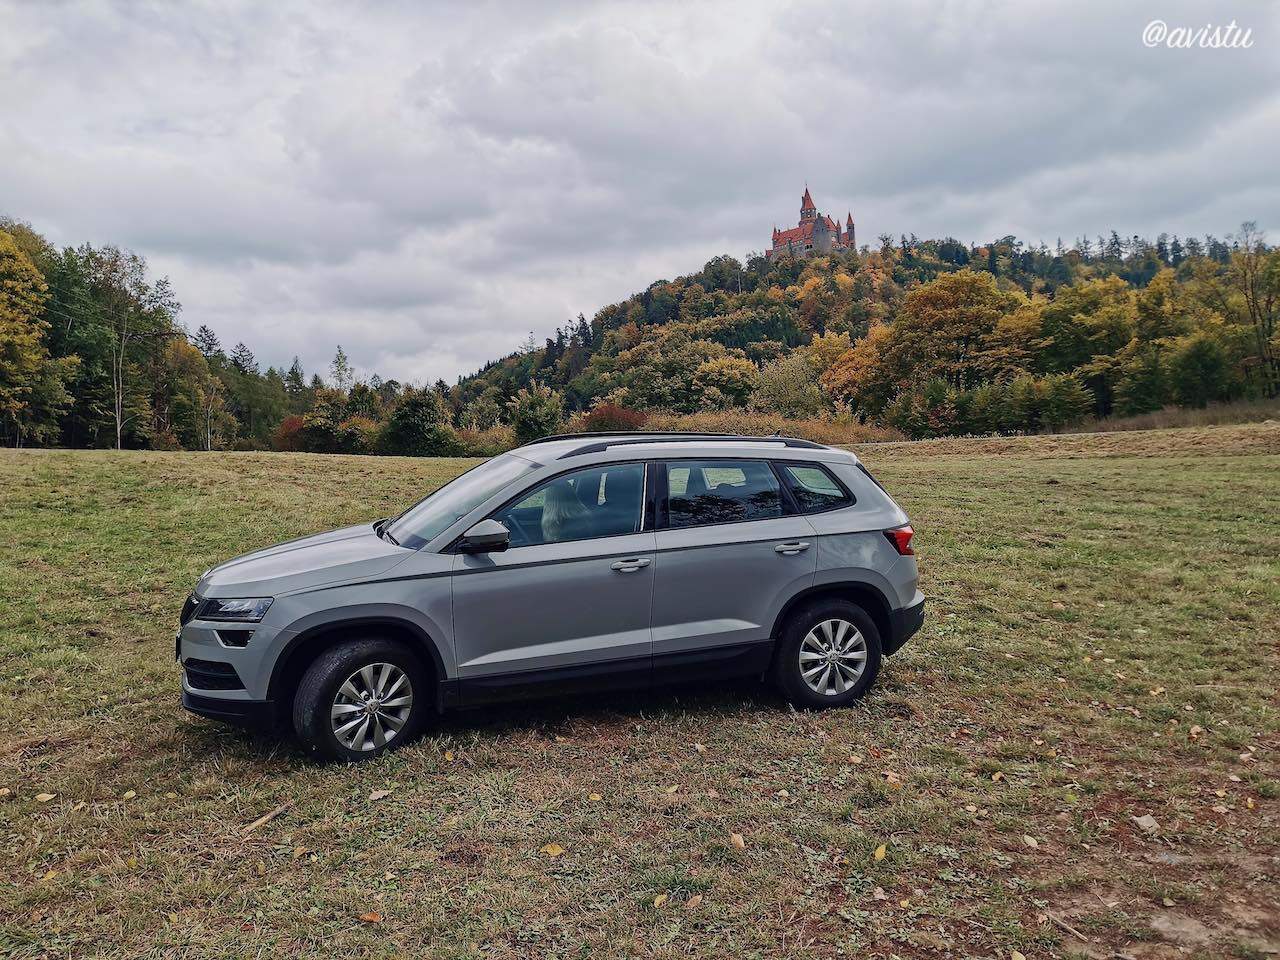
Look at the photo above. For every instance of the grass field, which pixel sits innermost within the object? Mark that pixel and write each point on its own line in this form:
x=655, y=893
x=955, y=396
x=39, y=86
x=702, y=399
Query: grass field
x=1101, y=647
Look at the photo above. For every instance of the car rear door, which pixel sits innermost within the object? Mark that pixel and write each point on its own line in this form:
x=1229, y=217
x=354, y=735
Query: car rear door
x=731, y=550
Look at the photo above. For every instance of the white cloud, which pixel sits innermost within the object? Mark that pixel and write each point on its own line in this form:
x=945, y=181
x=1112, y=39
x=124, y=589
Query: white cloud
x=426, y=184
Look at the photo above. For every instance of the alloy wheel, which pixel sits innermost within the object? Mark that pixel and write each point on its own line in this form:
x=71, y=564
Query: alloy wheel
x=371, y=707
x=832, y=657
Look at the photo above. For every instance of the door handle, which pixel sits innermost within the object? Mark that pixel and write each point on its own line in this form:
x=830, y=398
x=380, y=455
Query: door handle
x=631, y=565
x=791, y=549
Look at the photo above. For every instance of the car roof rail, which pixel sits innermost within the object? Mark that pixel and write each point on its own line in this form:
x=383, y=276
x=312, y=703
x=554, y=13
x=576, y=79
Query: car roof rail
x=605, y=440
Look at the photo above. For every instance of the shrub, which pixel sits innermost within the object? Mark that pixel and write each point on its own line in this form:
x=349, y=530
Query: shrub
x=606, y=416
x=485, y=443
x=419, y=427
x=288, y=436
x=536, y=412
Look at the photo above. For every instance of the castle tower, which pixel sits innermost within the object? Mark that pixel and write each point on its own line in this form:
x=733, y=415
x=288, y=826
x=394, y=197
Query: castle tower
x=808, y=211
x=850, y=237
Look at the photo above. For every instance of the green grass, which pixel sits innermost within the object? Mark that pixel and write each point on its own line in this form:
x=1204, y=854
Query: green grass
x=1092, y=603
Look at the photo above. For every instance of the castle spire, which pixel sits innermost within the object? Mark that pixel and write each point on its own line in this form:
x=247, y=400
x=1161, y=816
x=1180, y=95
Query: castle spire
x=808, y=211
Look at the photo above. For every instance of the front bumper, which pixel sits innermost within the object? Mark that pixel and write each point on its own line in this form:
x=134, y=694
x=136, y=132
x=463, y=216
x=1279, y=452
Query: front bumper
x=905, y=623
x=253, y=714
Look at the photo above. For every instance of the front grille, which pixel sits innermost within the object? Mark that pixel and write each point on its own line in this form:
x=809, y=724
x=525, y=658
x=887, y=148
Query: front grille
x=188, y=609
x=211, y=675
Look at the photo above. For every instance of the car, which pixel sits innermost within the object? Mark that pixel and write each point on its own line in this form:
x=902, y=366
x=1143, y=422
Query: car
x=580, y=563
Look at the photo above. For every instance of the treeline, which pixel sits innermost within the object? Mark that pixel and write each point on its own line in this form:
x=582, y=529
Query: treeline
x=93, y=354
x=923, y=337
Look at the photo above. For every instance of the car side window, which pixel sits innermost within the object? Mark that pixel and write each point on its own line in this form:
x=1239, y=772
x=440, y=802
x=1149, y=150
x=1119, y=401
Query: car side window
x=701, y=492
x=602, y=501
x=814, y=488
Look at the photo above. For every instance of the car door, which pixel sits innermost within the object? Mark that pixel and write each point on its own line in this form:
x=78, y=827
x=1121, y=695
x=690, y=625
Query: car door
x=568, y=603
x=731, y=549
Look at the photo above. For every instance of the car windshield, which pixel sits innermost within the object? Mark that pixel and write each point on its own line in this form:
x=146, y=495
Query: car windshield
x=433, y=514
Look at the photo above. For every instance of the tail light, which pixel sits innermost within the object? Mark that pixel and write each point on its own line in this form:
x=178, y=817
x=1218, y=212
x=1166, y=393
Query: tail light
x=900, y=537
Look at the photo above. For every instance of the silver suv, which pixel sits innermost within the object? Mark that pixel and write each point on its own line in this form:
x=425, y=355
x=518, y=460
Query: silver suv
x=577, y=563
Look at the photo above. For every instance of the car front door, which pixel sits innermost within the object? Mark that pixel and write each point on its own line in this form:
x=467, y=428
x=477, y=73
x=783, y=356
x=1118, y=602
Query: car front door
x=568, y=603
x=731, y=550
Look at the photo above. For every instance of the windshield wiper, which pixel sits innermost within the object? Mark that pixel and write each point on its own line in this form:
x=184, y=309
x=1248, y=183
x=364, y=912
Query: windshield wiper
x=380, y=528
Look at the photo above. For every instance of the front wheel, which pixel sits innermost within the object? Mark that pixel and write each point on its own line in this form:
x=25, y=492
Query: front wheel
x=361, y=699
x=828, y=655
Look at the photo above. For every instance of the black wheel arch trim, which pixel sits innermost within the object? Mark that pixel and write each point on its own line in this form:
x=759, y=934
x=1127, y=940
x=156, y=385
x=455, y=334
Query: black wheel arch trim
x=304, y=637
x=882, y=612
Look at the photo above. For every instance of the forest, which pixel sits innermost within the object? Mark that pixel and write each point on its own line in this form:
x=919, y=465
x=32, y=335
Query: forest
x=915, y=338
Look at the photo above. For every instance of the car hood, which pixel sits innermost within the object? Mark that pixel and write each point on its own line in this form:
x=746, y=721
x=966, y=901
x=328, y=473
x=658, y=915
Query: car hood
x=352, y=553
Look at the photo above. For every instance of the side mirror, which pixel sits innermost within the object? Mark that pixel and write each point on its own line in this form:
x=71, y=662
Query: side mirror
x=487, y=536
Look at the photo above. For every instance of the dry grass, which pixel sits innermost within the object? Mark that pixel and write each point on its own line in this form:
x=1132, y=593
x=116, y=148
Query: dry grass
x=1215, y=414
x=834, y=430
x=1101, y=645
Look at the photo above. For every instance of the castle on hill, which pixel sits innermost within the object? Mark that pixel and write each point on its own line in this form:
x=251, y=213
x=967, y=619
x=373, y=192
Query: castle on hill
x=816, y=233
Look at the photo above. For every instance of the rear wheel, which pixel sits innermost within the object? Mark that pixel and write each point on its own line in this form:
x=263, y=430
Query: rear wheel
x=361, y=699
x=828, y=655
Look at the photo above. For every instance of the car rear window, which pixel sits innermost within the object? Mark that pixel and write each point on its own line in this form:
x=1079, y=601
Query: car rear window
x=814, y=489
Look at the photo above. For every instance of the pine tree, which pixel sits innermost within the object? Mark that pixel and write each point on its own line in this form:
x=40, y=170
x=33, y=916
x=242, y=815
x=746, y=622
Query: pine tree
x=207, y=342
x=242, y=359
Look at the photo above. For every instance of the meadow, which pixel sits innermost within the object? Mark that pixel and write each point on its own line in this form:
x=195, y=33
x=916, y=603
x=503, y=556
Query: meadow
x=1077, y=756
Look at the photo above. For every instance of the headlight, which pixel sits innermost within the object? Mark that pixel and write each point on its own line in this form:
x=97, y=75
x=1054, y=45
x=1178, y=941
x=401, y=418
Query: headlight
x=245, y=609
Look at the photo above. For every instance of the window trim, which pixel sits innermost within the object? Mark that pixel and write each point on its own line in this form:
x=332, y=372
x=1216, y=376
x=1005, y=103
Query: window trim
x=787, y=482
x=646, y=501
x=789, y=507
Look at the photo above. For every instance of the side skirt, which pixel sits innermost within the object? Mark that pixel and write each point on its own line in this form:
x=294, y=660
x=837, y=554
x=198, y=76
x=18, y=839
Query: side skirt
x=692, y=666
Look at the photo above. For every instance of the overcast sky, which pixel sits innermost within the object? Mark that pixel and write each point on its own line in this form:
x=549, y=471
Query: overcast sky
x=426, y=183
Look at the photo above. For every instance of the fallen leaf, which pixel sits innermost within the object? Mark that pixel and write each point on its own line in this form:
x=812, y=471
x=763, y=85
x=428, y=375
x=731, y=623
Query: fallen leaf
x=1167, y=902
x=1030, y=841
x=713, y=793
x=1015, y=955
x=553, y=849
x=448, y=756
x=694, y=901
x=379, y=794
x=997, y=777
x=881, y=851
x=904, y=903
x=1195, y=730
x=673, y=788
x=371, y=917
x=879, y=894
x=700, y=748
x=738, y=840
x=660, y=899
x=1248, y=802
x=51, y=874
x=4, y=791
x=44, y=797
x=595, y=797
x=855, y=759
x=128, y=795
x=784, y=793
x=560, y=739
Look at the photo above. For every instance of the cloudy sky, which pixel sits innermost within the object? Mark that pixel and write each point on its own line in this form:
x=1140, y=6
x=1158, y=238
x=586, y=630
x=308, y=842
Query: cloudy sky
x=427, y=183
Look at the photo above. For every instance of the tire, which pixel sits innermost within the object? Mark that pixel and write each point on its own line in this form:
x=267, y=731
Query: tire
x=839, y=680
x=333, y=688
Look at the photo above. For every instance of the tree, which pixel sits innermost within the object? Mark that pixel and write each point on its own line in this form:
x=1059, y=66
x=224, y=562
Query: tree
x=789, y=387
x=242, y=359
x=340, y=371
x=137, y=316
x=33, y=384
x=419, y=427
x=536, y=411
x=207, y=342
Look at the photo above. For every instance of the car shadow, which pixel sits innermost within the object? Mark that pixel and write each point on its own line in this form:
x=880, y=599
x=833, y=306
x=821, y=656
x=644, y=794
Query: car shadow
x=737, y=697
